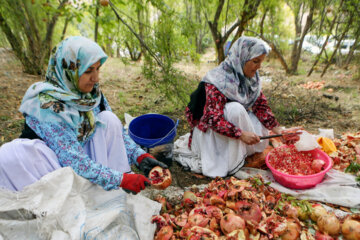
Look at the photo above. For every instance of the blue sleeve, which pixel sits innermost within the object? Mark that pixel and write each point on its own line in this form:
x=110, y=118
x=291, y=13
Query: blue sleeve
x=61, y=138
x=133, y=150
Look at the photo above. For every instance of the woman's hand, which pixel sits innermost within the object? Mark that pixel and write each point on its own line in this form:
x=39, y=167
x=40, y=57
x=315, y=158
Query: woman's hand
x=291, y=135
x=134, y=183
x=249, y=138
x=149, y=163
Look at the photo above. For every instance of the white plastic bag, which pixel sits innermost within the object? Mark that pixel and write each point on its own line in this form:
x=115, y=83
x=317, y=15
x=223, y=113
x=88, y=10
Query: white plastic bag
x=128, y=119
x=306, y=142
x=62, y=205
x=329, y=133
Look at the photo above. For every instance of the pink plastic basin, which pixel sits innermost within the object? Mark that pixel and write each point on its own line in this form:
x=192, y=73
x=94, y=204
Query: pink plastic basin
x=303, y=181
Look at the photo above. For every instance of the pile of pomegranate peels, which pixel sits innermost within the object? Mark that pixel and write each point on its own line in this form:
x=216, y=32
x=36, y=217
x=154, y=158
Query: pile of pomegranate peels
x=250, y=210
x=348, y=151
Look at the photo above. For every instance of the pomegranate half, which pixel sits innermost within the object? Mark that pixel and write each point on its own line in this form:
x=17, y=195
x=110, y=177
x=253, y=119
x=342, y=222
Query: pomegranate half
x=160, y=178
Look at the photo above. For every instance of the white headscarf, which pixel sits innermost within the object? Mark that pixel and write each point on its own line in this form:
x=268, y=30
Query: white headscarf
x=229, y=78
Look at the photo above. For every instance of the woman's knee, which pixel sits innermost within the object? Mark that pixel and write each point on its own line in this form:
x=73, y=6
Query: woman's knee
x=234, y=112
x=110, y=119
x=22, y=151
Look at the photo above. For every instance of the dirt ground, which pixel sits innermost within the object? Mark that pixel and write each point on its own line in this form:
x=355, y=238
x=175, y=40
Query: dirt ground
x=336, y=105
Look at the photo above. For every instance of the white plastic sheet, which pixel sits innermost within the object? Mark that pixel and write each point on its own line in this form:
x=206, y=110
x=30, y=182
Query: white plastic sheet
x=336, y=188
x=63, y=205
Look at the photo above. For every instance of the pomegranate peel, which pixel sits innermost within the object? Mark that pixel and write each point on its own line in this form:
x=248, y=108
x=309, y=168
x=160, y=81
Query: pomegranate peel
x=160, y=178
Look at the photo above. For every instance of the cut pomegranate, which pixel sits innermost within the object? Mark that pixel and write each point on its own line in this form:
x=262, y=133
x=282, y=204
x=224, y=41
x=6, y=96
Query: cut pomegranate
x=160, y=178
x=289, y=160
x=317, y=165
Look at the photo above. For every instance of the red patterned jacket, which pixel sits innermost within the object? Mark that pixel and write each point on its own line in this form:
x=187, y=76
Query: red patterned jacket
x=213, y=116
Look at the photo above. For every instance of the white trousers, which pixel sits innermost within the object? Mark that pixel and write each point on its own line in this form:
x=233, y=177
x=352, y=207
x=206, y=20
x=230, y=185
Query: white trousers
x=25, y=161
x=213, y=154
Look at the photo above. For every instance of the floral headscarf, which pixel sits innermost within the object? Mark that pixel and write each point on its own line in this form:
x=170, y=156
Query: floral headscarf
x=58, y=98
x=229, y=78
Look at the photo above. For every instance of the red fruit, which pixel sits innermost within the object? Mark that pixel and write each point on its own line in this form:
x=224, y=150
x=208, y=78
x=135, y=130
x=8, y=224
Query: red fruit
x=231, y=222
x=320, y=236
x=165, y=233
x=351, y=228
x=251, y=214
x=292, y=231
x=197, y=233
x=317, y=165
x=160, y=178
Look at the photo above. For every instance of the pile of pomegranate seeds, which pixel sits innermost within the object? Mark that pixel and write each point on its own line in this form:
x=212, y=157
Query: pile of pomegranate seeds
x=288, y=160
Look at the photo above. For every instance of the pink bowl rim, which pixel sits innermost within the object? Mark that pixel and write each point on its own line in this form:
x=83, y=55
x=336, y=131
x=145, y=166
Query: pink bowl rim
x=297, y=176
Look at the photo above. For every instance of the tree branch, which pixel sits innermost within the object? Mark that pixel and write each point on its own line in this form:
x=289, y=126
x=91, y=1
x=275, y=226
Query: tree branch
x=159, y=62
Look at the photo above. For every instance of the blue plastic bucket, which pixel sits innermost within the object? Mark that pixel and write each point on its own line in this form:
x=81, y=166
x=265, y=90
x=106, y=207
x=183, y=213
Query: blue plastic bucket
x=152, y=129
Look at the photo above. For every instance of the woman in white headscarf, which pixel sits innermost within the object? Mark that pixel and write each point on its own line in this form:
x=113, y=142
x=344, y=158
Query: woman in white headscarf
x=228, y=112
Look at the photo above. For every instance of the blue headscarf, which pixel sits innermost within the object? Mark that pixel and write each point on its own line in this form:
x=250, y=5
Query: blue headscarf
x=229, y=78
x=58, y=98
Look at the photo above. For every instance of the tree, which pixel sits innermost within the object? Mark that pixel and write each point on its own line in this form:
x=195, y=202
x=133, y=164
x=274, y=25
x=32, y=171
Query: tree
x=193, y=24
x=329, y=32
x=29, y=29
x=247, y=12
x=270, y=27
x=300, y=9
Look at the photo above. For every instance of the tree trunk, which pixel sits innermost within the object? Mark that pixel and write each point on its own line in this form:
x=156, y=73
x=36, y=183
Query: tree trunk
x=140, y=16
x=15, y=45
x=338, y=44
x=31, y=48
x=300, y=35
x=96, y=20
x=65, y=28
x=326, y=41
x=273, y=47
x=350, y=55
x=250, y=10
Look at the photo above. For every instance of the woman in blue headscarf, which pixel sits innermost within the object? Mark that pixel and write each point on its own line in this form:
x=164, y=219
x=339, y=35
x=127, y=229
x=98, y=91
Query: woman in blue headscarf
x=228, y=113
x=68, y=122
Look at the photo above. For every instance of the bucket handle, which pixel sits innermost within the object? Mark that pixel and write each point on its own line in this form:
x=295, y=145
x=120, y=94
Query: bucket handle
x=173, y=129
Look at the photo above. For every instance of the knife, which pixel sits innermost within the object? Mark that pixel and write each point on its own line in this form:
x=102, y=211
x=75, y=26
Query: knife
x=279, y=135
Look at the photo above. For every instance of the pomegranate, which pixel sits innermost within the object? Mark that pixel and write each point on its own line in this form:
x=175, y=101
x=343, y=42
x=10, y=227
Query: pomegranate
x=239, y=234
x=198, y=219
x=329, y=224
x=250, y=212
x=290, y=210
x=317, y=165
x=317, y=211
x=160, y=178
x=292, y=231
x=165, y=233
x=320, y=236
x=159, y=221
x=231, y=222
x=351, y=229
x=189, y=197
x=197, y=233
x=216, y=200
x=181, y=219
x=163, y=202
x=104, y=3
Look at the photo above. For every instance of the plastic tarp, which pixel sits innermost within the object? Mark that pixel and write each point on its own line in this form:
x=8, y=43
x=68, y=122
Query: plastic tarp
x=63, y=205
x=337, y=187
